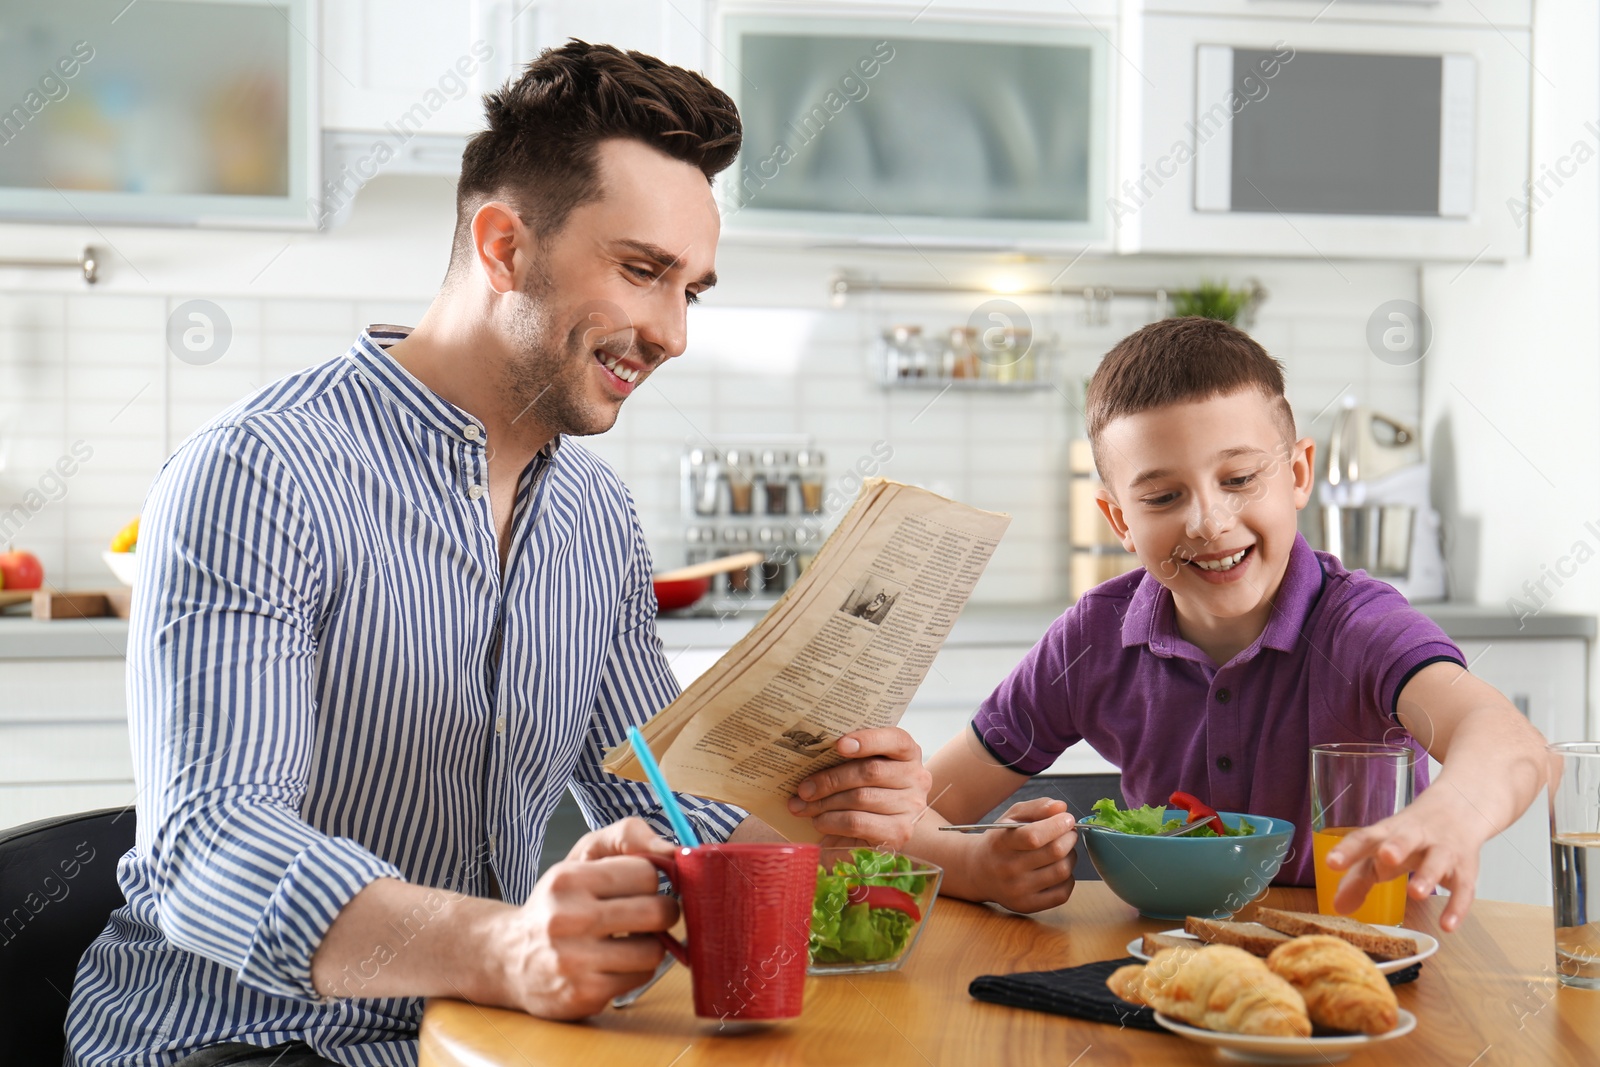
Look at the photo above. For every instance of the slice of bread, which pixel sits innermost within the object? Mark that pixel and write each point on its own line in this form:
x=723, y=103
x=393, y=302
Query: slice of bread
x=1154, y=943
x=1374, y=941
x=1254, y=938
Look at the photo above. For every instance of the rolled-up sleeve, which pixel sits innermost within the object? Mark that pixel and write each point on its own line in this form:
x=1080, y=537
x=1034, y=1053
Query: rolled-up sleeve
x=636, y=682
x=222, y=711
x=1026, y=723
x=1376, y=629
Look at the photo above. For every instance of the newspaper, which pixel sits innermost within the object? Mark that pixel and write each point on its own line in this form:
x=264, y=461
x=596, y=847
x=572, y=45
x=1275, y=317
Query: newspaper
x=845, y=649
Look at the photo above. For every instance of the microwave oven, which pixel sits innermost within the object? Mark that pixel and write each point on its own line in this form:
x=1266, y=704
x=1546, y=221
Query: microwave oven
x=1328, y=139
x=176, y=112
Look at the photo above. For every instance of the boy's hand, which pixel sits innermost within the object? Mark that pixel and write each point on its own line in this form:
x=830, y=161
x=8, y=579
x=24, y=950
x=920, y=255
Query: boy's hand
x=1437, y=838
x=875, y=797
x=1030, y=868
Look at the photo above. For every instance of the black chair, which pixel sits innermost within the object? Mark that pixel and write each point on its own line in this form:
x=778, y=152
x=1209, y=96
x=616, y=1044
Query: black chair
x=1080, y=791
x=566, y=825
x=58, y=886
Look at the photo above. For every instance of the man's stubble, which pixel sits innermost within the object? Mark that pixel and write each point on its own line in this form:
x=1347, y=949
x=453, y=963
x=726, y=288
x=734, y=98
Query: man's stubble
x=546, y=381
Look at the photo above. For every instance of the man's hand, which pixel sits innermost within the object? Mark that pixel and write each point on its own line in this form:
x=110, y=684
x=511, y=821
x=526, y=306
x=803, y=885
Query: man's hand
x=1438, y=838
x=1030, y=868
x=585, y=935
x=875, y=797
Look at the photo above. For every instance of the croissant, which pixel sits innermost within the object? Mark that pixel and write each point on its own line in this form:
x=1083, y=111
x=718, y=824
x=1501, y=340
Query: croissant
x=1342, y=987
x=1218, y=987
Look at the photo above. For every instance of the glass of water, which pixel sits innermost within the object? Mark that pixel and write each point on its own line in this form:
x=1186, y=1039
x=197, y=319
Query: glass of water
x=1575, y=860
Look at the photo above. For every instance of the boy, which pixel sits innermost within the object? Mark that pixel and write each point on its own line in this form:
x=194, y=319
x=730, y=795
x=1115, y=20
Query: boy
x=1236, y=647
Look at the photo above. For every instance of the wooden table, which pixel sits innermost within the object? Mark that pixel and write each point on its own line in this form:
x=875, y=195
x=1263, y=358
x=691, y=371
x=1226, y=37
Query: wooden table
x=1489, y=997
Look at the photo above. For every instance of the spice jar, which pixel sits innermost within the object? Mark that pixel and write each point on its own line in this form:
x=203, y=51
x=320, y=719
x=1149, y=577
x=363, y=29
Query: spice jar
x=705, y=481
x=741, y=489
x=962, y=353
x=1008, y=353
x=806, y=543
x=700, y=544
x=811, y=473
x=735, y=541
x=905, y=355
x=776, y=471
x=773, y=542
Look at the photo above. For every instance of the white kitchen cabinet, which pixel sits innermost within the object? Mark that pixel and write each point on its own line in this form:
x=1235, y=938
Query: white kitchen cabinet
x=1548, y=681
x=1427, y=12
x=412, y=67
x=63, y=738
x=671, y=30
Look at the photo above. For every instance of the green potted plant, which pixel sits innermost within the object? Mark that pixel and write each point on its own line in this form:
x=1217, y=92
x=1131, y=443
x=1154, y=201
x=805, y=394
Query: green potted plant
x=1212, y=300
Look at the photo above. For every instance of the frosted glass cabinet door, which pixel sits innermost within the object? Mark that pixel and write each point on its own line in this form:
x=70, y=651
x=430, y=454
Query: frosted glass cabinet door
x=958, y=130
x=178, y=111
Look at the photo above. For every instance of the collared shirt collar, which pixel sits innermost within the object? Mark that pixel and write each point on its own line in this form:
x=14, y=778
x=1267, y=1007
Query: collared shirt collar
x=408, y=392
x=1152, y=617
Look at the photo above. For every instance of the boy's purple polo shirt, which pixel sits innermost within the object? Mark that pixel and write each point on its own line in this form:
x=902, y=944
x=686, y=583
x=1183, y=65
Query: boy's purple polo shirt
x=1113, y=671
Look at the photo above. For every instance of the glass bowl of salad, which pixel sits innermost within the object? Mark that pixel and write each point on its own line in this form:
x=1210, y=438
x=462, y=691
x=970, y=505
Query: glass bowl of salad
x=869, y=910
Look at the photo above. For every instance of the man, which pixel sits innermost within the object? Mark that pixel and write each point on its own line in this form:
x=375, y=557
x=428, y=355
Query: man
x=388, y=611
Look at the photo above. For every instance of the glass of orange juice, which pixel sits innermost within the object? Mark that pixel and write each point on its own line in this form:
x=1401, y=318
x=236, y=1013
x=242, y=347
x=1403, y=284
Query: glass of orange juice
x=1355, y=785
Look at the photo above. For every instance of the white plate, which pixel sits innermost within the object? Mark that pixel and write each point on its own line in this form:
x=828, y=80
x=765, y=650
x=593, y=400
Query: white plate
x=1427, y=945
x=1249, y=1048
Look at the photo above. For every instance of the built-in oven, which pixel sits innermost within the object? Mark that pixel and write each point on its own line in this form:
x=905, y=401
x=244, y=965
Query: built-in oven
x=1302, y=136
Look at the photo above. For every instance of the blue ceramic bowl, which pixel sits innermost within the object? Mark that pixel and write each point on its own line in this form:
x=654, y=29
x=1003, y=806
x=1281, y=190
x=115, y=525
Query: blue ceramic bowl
x=1174, y=877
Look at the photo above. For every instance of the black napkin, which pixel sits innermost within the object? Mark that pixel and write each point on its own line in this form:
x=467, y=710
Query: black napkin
x=1081, y=992
x=1076, y=991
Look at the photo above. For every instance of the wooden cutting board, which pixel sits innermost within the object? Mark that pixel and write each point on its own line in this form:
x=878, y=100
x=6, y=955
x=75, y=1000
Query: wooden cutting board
x=50, y=605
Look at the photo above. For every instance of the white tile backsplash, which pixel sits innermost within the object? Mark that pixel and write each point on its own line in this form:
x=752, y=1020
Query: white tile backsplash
x=95, y=366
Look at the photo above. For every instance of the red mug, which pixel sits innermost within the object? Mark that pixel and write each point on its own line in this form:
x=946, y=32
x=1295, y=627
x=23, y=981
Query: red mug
x=748, y=910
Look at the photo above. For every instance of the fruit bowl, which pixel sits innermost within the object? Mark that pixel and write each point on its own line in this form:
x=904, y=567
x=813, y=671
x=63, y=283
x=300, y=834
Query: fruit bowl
x=123, y=564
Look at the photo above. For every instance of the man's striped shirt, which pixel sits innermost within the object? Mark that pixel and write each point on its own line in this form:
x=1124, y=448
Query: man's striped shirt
x=331, y=682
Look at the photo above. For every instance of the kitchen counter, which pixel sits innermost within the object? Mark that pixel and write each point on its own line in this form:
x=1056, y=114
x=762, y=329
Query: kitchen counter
x=981, y=625
x=23, y=637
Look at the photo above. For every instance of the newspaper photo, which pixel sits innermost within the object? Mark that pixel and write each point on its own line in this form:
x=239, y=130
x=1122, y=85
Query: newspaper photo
x=846, y=648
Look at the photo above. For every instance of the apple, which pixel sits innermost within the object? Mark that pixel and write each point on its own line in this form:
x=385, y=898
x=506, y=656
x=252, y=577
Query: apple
x=20, y=571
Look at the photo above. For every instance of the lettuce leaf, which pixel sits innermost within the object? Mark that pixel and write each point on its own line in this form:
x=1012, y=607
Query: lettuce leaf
x=1146, y=820
x=842, y=932
x=1149, y=820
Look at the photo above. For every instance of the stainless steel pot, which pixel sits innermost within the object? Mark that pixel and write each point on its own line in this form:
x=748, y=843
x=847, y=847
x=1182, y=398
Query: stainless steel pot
x=1375, y=538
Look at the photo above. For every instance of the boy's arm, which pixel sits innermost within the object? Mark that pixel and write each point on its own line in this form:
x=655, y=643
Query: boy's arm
x=1494, y=766
x=1027, y=869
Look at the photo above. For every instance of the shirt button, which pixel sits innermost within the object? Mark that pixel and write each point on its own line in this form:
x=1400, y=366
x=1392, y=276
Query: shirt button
x=500, y=725
x=471, y=432
x=1223, y=695
x=1224, y=763
x=475, y=492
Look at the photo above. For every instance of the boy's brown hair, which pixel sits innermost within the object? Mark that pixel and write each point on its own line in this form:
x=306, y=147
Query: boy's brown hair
x=540, y=150
x=1178, y=360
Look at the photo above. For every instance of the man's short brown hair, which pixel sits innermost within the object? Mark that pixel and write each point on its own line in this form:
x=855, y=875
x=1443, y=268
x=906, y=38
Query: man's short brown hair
x=1177, y=360
x=540, y=150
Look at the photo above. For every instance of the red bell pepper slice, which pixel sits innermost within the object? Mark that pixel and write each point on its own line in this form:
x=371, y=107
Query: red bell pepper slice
x=885, y=896
x=1199, y=811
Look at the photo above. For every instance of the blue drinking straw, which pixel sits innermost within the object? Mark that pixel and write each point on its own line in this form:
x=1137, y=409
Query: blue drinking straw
x=669, y=803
